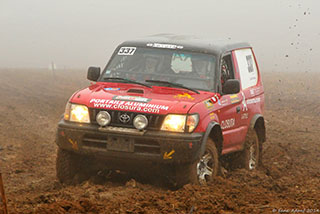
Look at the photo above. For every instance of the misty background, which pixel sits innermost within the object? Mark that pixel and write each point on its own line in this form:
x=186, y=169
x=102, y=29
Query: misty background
x=285, y=34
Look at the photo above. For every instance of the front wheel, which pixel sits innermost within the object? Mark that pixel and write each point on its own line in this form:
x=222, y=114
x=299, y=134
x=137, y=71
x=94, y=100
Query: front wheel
x=207, y=166
x=67, y=165
x=71, y=168
x=201, y=171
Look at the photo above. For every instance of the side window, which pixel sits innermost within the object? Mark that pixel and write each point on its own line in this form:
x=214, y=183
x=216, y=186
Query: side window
x=227, y=71
x=247, y=68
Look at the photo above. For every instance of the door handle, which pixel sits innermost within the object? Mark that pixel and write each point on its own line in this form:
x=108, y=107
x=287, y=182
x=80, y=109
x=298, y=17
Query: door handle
x=238, y=109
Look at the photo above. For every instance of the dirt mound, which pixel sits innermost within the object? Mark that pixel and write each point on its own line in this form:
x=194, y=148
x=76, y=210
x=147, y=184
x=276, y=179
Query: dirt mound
x=33, y=101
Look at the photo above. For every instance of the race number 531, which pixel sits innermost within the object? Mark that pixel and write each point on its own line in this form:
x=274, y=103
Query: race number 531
x=127, y=50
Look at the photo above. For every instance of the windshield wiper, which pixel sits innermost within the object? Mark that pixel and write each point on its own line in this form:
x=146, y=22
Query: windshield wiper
x=174, y=85
x=118, y=79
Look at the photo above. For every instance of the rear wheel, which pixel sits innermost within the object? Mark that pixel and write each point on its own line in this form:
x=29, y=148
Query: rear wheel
x=250, y=159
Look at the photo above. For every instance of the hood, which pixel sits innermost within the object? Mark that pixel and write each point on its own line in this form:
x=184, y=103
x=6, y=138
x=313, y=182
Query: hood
x=135, y=98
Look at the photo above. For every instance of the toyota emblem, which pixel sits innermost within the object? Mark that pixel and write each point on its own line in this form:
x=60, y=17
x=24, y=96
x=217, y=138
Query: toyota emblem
x=124, y=118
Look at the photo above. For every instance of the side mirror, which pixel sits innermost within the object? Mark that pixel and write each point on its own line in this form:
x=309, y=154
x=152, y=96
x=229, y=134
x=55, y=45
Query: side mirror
x=93, y=73
x=231, y=86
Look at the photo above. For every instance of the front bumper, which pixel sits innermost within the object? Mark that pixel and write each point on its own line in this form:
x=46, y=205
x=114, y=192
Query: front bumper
x=123, y=144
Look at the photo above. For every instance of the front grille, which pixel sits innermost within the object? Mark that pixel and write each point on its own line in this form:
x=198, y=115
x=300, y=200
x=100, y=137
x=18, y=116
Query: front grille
x=154, y=120
x=146, y=146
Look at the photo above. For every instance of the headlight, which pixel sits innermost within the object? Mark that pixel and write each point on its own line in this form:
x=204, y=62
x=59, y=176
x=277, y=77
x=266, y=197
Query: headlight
x=174, y=123
x=103, y=118
x=177, y=123
x=77, y=113
x=140, y=122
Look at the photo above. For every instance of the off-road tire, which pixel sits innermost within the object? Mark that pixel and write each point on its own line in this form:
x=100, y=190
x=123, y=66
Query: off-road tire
x=67, y=166
x=250, y=156
x=189, y=173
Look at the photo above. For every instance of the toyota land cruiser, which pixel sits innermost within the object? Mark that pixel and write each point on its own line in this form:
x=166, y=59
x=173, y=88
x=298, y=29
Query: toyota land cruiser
x=173, y=101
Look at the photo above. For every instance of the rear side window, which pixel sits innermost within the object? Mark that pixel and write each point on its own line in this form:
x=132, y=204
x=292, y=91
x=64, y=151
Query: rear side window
x=247, y=67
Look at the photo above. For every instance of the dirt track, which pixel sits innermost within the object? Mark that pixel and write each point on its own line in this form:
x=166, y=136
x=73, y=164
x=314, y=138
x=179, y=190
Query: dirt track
x=33, y=100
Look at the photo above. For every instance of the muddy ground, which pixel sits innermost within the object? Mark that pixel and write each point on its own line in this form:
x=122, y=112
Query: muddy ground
x=33, y=100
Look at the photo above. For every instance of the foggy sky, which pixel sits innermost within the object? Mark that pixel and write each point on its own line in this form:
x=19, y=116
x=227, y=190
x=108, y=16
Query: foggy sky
x=285, y=34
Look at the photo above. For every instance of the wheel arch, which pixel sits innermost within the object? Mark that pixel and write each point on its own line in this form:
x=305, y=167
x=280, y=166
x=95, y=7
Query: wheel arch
x=213, y=132
x=258, y=124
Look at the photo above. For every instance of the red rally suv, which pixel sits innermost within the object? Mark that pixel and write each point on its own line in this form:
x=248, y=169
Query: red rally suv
x=176, y=102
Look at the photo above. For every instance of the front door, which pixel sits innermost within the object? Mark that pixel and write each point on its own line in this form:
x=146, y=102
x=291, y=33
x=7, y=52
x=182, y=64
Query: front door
x=230, y=113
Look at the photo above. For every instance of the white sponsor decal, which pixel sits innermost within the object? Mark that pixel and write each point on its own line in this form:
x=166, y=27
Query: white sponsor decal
x=255, y=91
x=254, y=100
x=170, y=46
x=252, y=91
x=247, y=68
x=224, y=101
x=132, y=98
x=128, y=105
x=244, y=104
x=244, y=116
x=127, y=50
x=111, y=89
x=229, y=123
x=253, y=78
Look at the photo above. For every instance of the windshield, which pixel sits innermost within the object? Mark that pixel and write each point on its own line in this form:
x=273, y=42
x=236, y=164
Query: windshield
x=189, y=69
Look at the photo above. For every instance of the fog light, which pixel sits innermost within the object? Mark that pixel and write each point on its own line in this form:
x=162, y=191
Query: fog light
x=140, y=122
x=103, y=118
